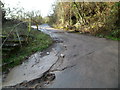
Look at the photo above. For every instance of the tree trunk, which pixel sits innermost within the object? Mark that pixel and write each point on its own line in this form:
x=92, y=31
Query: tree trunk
x=37, y=26
x=79, y=13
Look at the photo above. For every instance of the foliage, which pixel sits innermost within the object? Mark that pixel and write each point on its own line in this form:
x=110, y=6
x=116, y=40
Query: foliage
x=18, y=23
x=90, y=17
x=18, y=13
x=40, y=42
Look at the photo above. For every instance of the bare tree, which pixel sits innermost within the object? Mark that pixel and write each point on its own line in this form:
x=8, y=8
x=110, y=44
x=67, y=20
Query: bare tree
x=34, y=17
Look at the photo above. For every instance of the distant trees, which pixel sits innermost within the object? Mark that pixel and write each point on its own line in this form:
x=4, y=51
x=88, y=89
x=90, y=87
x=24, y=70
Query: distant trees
x=17, y=21
x=92, y=17
x=19, y=14
x=34, y=17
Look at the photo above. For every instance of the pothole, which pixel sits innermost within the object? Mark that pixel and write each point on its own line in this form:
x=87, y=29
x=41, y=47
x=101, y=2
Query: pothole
x=57, y=40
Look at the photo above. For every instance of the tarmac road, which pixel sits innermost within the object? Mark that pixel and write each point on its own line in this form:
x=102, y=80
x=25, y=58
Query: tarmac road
x=90, y=62
x=77, y=60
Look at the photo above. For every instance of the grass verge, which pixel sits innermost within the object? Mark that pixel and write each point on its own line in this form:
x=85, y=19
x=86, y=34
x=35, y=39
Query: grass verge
x=108, y=37
x=40, y=42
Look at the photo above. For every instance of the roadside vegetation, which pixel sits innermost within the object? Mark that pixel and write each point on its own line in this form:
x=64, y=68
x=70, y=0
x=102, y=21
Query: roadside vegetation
x=19, y=40
x=100, y=19
x=37, y=41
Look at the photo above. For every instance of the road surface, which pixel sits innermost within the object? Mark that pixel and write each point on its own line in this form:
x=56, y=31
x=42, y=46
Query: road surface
x=94, y=61
x=77, y=60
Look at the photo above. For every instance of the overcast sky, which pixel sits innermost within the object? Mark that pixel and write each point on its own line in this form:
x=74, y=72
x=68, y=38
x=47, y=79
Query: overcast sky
x=43, y=5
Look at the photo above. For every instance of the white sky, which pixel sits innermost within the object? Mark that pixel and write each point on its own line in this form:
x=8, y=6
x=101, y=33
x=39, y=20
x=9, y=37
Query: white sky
x=43, y=5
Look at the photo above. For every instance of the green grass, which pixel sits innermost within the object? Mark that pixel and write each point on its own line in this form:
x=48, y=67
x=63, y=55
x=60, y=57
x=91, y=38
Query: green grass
x=40, y=42
x=108, y=37
x=112, y=38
